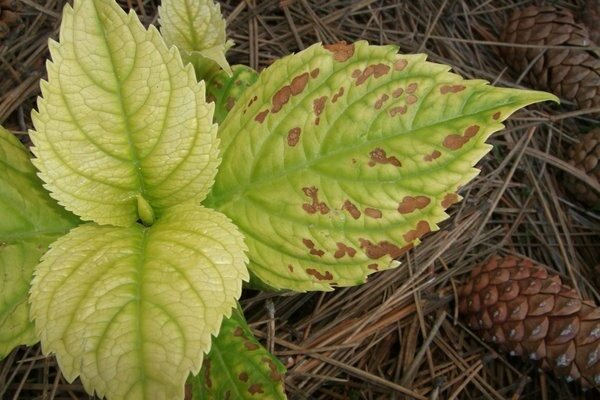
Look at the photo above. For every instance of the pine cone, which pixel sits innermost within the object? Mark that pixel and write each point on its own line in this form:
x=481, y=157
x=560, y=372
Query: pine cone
x=572, y=74
x=520, y=306
x=10, y=20
x=585, y=156
x=591, y=19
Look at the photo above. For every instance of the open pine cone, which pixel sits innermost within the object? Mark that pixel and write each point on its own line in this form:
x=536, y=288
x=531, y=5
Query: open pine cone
x=572, y=74
x=585, y=156
x=520, y=306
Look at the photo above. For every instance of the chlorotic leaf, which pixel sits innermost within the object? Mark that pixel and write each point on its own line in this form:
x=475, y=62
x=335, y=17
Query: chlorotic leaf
x=238, y=366
x=119, y=118
x=225, y=90
x=29, y=221
x=132, y=309
x=197, y=28
x=351, y=153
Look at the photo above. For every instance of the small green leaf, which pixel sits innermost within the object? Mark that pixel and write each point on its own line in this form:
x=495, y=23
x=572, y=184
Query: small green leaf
x=197, y=28
x=340, y=158
x=225, y=90
x=120, y=117
x=29, y=221
x=132, y=309
x=238, y=366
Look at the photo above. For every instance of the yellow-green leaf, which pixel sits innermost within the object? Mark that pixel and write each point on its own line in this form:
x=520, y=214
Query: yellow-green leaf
x=121, y=118
x=197, y=28
x=340, y=158
x=132, y=309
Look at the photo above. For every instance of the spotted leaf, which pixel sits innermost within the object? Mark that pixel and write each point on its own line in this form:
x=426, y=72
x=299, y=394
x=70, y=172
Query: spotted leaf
x=123, y=130
x=132, y=309
x=347, y=156
x=238, y=366
x=197, y=28
x=225, y=90
x=29, y=221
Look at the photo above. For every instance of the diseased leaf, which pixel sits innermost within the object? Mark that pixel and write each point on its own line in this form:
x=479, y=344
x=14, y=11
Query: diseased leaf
x=29, y=221
x=238, y=366
x=197, y=28
x=119, y=118
x=350, y=154
x=132, y=309
x=225, y=90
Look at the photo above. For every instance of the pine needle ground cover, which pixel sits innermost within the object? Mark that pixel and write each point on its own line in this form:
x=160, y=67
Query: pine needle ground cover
x=398, y=335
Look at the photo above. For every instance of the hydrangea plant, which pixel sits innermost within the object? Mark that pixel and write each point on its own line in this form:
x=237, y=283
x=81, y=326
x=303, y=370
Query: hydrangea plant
x=155, y=208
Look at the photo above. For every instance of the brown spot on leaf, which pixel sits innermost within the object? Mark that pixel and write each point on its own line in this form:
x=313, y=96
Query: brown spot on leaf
x=341, y=50
x=397, y=92
x=313, y=250
x=351, y=208
x=496, y=115
x=430, y=157
x=206, y=368
x=356, y=73
x=383, y=248
x=455, y=142
x=260, y=117
x=451, y=88
x=339, y=94
x=274, y=375
x=319, y=105
x=397, y=110
x=255, y=388
x=374, y=267
x=243, y=377
x=411, y=99
x=342, y=250
x=293, y=136
x=449, y=199
x=283, y=95
x=373, y=213
x=229, y=103
x=327, y=277
x=380, y=101
x=250, y=346
x=290, y=268
x=379, y=156
x=400, y=64
x=375, y=70
x=316, y=205
x=210, y=98
x=238, y=332
x=252, y=100
x=412, y=87
x=421, y=229
x=314, y=73
x=410, y=204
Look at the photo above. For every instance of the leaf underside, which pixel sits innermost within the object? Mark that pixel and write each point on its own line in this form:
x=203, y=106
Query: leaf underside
x=197, y=29
x=29, y=221
x=130, y=119
x=238, y=366
x=340, y=158
x=132, y=309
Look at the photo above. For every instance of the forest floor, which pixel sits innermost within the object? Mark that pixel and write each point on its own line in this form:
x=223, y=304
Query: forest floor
x=399, y=335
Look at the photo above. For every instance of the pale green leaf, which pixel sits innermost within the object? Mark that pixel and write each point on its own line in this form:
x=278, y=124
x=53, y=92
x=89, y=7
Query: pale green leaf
x=29, y=221
x=132, y=309
x=225, y=90
x=341, y=157
x=238, y=366
x=197, y=28
x=120, y=117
